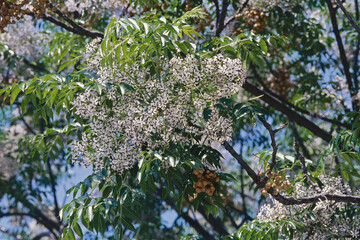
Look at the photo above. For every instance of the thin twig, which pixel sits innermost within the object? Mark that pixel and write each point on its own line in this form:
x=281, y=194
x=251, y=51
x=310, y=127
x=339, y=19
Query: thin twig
x=243, y=164
x=356, y=52
x=317, y=198
x=340, y=44
x=299, y=140
x=277, y=104
x=53, y=189
x=232, y=18
x=272, y=133
x=286, y=200
x=304, y=168
x=192, y=222
x=215, y=222
x=347, y=14
x=296, y=108
x=220, y=25
x=76, y=30
x=11, y=234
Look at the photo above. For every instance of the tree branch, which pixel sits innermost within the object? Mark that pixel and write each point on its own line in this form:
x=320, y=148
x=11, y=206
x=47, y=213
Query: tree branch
x=11, y=234
x=317, y=198
x=299, y=140
x=41, y=235
x=215, y=223
x=277, y=104
x=38, y=217
x=343, y=57
x=304, y=168
x=53, y=189
x=273, y=142
x=232, y=18
x=41, y=217
x=243, y=164
x=217, y=11
x=35, y=67
x=296, y=108
x=81, y=30
x=193, y=223
x=356, y=52
x=76, y=29
x=347, y=14
x=220, y=25
x=287, y=200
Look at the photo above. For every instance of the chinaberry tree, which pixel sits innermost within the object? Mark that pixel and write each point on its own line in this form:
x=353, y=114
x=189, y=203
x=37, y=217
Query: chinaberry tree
x=241, y=118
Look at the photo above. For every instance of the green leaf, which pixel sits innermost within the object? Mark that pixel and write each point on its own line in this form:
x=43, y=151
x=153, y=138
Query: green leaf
x=25, y=103
x=127, y=224
x=146, y=27
x=14, y=93
x=107, y=191
x=77, y=229
x=71, y=234
x=263, y=45
x=53, y=96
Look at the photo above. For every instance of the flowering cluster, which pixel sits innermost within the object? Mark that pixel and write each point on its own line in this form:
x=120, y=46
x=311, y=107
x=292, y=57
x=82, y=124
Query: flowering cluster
x=8, y=148
x=270, y=3
x=113, y=7
x=326, y=220
x=156, y=109
x=25, y=39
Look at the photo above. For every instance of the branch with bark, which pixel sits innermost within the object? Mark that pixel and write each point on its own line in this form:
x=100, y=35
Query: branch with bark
x=192, y=222
x=296, y=108
x=343, y=58
x=357, y=50
x=74, y=27
x=277, y=104
x=220, y=23
x=299, y=140
x=232, y=18
x=347, y=14
x=11, y=234
x=304, y=168
x=288, y=200
x=272, y=133
x=215, y=222
x=38, y=216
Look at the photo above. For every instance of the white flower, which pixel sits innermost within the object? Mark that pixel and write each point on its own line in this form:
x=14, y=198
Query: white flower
x=159, y=110
x=324, y=222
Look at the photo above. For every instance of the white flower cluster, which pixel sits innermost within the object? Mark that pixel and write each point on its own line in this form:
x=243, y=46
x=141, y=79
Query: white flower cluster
x=25, y=39
x=8, y=148
x=270, y=3
x=113, y=7
x=159, y=109
x=326, y=222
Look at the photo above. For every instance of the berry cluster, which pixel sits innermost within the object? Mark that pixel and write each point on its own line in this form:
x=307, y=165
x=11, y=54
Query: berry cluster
x=157, y=6
x=282, y=217
x=280, y=81
x=201, y=24
x=205, y=181
x=5, y=80
x=254, y=19
x=188, y=5
x=225, y=198
x=10, y=11
x=275, y=182
x=237, y=31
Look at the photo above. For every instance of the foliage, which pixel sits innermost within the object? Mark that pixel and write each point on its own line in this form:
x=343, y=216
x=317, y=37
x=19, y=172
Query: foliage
x=173, y=73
